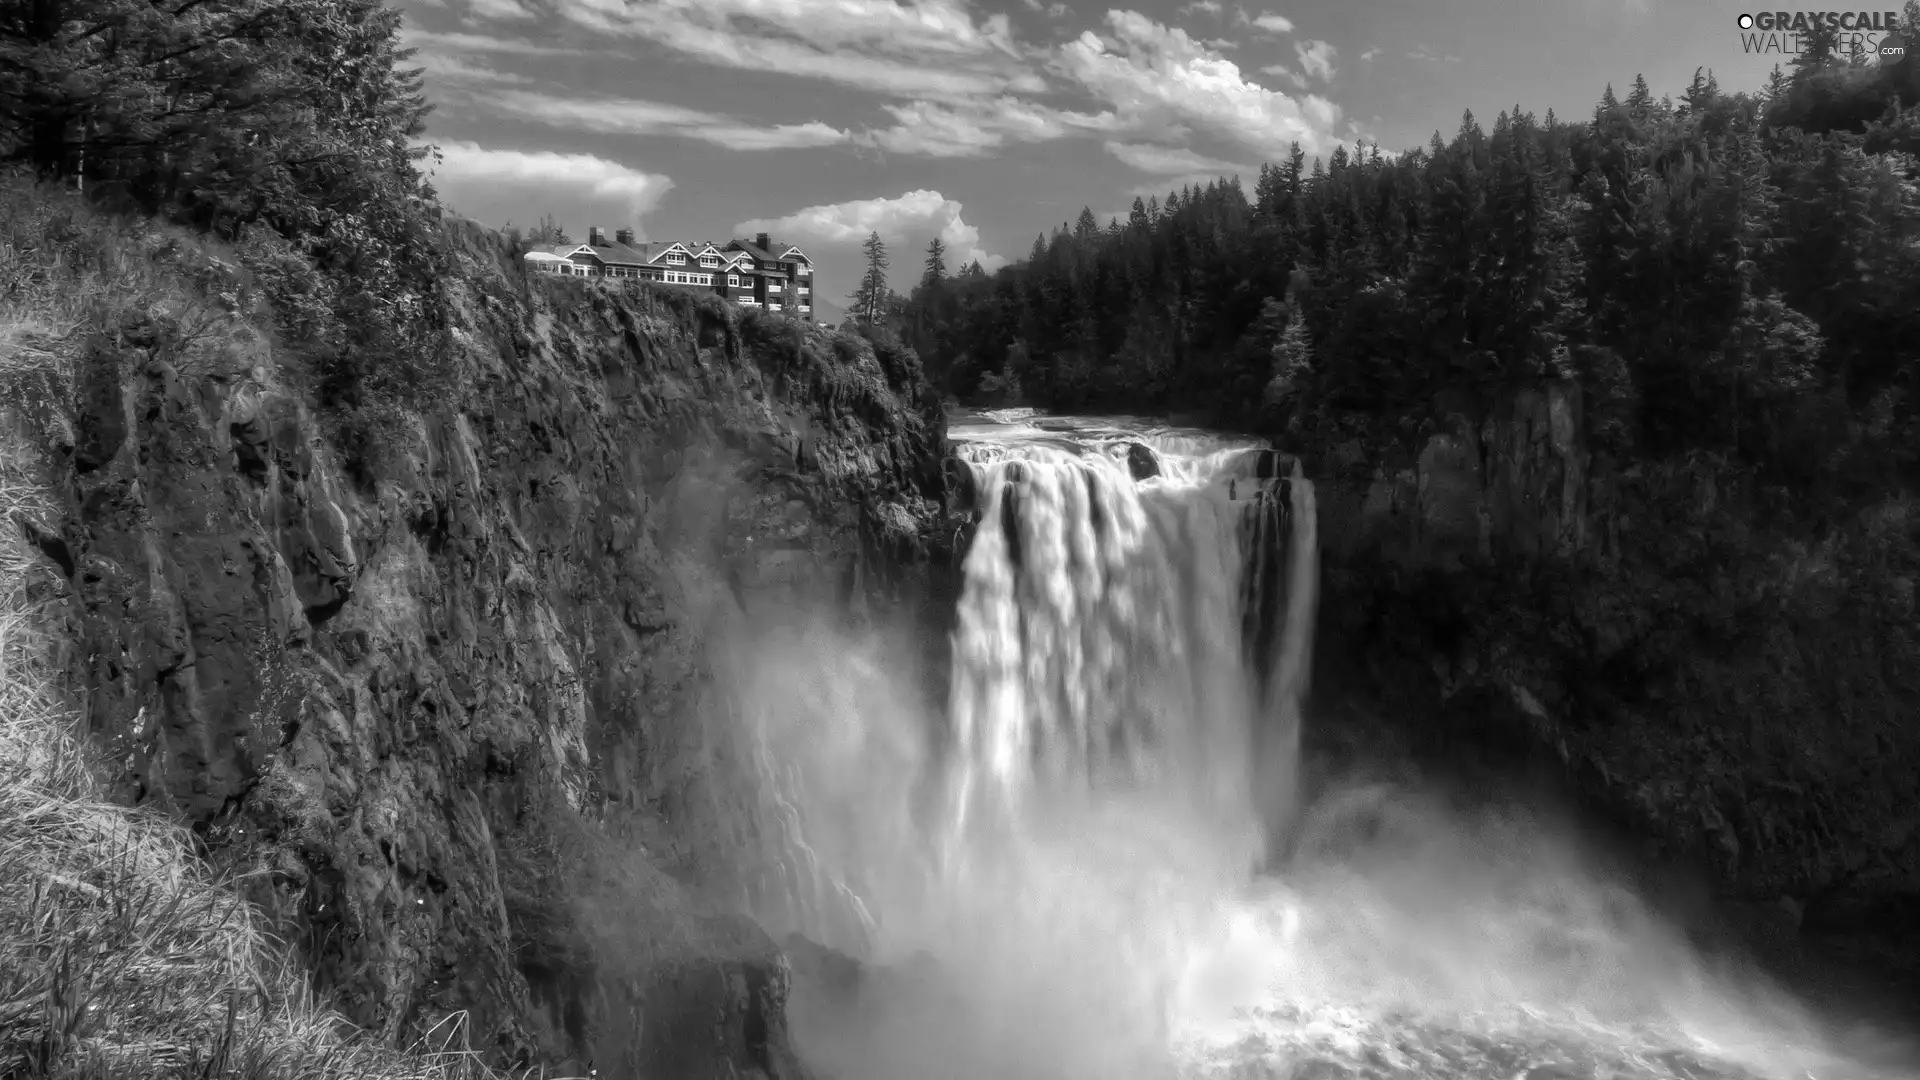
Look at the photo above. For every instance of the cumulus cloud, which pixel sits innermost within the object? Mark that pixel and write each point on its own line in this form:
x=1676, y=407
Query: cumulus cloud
x=1154, y=76
x=1316, y=58
x=1370, y=54
x=631, y=116
x=906, y=222
x=1271, y=23
x=471, y=178
x=1172, y=160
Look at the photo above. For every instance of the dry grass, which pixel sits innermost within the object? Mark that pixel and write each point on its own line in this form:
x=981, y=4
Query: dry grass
x=121, y=956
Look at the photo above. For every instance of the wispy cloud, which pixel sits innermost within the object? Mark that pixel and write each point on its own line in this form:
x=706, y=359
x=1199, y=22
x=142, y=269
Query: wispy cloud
x=1270, y=22
x=1156, y=77
x=910, y=219
x=1316, y=58
x=1203, y=7
x=935, y=129
x=452, y=42
x=449, y=70
x=470, y=174
x=631, y=116
x=1282, y=71
x=1370, y=54
x=933, y=47
x=501, y=10
x=1172, y=160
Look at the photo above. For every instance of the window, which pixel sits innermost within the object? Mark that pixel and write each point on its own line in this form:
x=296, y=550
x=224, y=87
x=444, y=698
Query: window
x=675, y=258
x=709, y=260
x=733, y=281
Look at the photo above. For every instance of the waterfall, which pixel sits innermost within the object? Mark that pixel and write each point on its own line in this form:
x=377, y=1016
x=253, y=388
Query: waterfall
x=1102, y=844
x=1137, y=617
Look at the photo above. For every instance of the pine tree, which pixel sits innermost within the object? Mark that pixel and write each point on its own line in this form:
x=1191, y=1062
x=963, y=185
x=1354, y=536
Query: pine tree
x=935, y=270
x=869, y=298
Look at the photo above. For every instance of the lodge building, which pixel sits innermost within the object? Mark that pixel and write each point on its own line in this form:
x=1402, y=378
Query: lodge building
x=749, y=274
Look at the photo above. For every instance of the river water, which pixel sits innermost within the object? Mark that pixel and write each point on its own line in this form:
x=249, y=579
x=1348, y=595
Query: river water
x=1099, y=861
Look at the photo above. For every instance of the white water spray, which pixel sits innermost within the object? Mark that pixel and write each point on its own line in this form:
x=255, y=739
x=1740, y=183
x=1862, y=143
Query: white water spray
x=1119, y=755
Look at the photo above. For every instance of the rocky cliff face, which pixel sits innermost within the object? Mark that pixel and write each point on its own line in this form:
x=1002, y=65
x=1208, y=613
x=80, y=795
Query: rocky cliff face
x=1738, y=692
x=446, y=694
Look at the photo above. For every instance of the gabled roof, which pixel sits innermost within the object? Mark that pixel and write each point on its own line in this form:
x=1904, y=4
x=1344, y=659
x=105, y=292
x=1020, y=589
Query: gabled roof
x=752, y=249
x=793, y=253
x=556, y=250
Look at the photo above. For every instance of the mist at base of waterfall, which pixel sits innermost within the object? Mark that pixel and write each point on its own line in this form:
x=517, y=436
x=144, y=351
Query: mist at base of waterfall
x=1027, y=910
x=1404, y=937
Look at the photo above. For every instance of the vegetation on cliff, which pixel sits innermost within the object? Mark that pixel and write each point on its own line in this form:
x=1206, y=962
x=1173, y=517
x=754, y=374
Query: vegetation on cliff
x=1720, y=297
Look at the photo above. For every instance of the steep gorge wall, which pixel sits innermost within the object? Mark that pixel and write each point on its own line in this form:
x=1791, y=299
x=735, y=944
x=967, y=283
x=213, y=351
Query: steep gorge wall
x=1742, y=694
x=447, y=696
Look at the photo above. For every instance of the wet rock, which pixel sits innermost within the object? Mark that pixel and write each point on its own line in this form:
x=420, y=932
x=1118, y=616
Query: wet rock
x=1142, y=461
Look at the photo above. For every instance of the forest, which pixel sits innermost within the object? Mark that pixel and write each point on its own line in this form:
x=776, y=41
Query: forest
x=1733, y=273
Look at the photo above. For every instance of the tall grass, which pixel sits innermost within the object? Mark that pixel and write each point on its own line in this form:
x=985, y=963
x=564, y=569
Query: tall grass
x=121, y=955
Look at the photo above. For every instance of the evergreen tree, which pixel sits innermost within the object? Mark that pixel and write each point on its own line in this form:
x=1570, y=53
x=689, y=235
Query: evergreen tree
x=935, y=270
x=868, y=302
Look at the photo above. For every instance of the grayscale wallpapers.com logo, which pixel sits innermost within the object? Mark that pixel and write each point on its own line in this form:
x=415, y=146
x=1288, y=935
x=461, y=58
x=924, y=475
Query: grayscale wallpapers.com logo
x=1873, y=33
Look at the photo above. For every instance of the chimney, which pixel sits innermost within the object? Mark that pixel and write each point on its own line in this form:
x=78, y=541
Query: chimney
x=760, y=241
x=596, y=236
x=625, y=236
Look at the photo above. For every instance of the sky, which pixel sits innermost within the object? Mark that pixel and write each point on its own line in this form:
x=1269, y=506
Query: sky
x=987, y=122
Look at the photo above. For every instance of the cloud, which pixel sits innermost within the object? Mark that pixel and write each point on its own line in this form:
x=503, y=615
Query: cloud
x=500, y=10
x=1271, y=23
x=1156, y=77
x=631, y=116
x=1209, y=7
x=443, y=68
x=469, y=175
x=974, y=129
x=1282, y=71
x=435, y=41
x=930, y=47
x=1370, y=54
x=1172, y=161
x=909, y=220
x=1316, y=57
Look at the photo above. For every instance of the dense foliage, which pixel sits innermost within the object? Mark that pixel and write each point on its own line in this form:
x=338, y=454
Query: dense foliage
x=1734, y=273
x=283, y=127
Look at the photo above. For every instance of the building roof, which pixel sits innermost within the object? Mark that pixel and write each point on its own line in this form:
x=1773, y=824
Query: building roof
x=618, y=254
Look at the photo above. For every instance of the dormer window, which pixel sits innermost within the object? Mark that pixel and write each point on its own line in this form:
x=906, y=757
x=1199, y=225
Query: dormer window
x=709, y=260
x=675, y=258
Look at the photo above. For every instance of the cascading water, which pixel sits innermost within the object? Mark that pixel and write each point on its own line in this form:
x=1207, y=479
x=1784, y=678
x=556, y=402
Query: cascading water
x=1136, y=624
x=1115, y=879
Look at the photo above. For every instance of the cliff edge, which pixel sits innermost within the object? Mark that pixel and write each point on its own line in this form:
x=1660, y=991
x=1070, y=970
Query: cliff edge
x=431, y=676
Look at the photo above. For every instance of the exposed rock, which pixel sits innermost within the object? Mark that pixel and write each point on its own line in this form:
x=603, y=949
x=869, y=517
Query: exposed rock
x=432, y=700
x=1142, y=461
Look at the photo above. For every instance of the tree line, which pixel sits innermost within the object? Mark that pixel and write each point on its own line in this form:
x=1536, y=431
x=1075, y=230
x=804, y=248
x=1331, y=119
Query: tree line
x=1737, y=273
